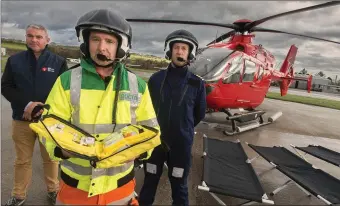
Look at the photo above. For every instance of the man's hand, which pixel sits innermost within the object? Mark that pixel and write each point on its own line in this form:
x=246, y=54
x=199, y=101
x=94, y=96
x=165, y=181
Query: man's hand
x=28, y=111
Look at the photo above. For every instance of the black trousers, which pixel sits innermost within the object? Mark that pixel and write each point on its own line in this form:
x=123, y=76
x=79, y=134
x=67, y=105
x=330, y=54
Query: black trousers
x=179, y=163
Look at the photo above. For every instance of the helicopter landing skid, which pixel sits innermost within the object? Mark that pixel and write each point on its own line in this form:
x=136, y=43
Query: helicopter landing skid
x=247, y=117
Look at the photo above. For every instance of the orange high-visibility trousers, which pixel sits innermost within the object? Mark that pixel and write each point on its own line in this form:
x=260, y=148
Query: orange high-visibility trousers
x=124, y=195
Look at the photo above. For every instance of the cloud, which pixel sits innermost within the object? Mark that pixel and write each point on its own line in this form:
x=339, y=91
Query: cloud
x=60, y=17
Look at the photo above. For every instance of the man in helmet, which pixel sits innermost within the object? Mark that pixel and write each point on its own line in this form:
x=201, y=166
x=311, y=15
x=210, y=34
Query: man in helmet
x=178, y=97
x=100, y=96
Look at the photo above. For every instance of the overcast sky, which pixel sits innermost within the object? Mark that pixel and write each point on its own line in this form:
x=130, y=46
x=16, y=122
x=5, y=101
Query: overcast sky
x=60, y=18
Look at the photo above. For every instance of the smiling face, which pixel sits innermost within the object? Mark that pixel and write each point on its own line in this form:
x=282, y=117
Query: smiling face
x=180, y=50
x=105, y=44
x=36, y=38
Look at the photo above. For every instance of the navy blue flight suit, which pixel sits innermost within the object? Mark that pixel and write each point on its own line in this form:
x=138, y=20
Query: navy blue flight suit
x=179, y=101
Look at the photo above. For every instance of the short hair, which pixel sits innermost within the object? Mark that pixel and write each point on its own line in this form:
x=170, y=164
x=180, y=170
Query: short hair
x=37, y=26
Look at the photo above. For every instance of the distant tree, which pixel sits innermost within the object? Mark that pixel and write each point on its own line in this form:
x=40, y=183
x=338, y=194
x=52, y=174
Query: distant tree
x=321, y=74
x=330, y=79
x=336, y=79
x=303, y=71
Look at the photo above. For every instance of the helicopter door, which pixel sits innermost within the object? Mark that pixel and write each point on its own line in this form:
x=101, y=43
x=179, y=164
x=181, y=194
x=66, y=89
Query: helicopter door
x=260, y=85
x=260, y=73
x=230, y=86
x=250, y=86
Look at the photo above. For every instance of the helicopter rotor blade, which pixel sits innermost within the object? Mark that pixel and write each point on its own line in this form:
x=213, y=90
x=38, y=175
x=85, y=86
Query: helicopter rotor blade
x=222, y=37
x=319, y=6
x=230, y=26
x=259, y=29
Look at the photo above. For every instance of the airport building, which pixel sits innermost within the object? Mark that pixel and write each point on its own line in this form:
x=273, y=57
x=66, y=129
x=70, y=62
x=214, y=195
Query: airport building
x=320, y=84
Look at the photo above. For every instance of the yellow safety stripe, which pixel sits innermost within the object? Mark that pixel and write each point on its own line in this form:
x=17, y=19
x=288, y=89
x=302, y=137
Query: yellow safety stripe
x=95, y=172
x=75, y=90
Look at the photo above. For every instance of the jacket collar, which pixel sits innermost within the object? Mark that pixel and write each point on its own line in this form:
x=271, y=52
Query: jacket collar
x=177, y=71
x=44, y=51
x=87, y=64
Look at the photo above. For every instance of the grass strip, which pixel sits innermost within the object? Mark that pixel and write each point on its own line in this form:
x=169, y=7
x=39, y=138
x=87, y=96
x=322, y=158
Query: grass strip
x=333, y=104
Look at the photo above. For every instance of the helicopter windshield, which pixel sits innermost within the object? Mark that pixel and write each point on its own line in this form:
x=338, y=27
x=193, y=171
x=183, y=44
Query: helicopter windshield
x=211, y=63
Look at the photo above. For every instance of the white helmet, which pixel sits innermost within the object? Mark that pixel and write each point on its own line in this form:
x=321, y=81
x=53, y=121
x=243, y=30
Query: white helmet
x=182, y=36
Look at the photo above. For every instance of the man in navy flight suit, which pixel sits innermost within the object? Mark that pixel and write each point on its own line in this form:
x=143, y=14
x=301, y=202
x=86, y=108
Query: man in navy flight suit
x=178, y=97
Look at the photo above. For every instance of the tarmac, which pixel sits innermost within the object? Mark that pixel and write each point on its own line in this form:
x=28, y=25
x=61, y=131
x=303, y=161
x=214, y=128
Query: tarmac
x=299, y=125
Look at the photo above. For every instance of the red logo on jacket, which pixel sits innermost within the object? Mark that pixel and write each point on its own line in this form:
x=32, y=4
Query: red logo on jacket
x=44, y=69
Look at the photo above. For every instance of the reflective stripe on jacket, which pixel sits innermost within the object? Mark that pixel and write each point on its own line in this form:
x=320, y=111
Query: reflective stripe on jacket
x=83, y=98
x=122, y=196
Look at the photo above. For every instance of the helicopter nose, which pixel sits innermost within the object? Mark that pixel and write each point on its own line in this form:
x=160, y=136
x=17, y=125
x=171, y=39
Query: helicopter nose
x=209, y=89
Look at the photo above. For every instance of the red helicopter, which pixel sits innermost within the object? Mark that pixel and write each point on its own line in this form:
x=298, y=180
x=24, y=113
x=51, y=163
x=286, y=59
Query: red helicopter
x=238, y=73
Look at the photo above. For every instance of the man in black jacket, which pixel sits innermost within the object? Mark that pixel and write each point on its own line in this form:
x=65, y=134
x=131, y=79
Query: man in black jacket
x=26, y=82
x=178, y=97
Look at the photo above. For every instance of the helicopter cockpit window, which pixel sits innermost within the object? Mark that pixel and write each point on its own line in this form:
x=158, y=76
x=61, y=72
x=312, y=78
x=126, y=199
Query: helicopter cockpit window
x=234, y=73
x=211, y=63
x=249, y=71
x=260, y=74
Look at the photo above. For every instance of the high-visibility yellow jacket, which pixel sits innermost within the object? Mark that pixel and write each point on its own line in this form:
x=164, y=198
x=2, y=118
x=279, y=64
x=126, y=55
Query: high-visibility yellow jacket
x=82, y=97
